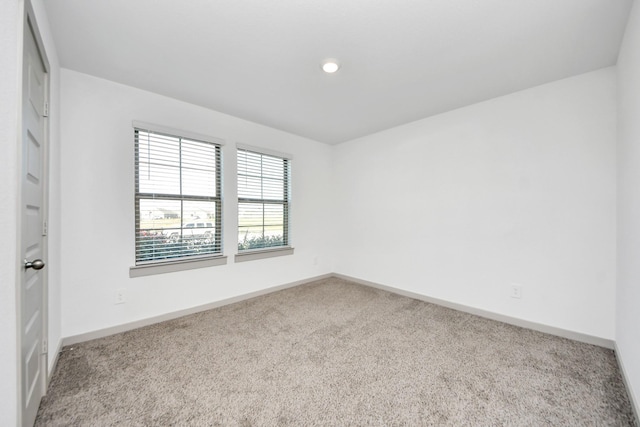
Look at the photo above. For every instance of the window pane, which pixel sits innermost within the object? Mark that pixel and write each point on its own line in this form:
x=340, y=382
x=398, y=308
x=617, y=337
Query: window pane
x=201, y=231
x=199, y=169
x=250, y=214
x=159, y=215
x=158, y=163
x=272, y=167
x=273, y=189
x=274, y=215
x=256, y=237
x=197, y=213
x=249, y=187
x=159, y=222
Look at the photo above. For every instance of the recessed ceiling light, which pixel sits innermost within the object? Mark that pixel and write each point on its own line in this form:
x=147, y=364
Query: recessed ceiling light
x=330, y=66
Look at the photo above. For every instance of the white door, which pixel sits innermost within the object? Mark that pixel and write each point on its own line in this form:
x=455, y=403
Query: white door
x=32, y=289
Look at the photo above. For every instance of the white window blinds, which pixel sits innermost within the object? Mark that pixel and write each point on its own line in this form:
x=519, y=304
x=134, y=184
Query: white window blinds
x=263, y=200
x=178, y=209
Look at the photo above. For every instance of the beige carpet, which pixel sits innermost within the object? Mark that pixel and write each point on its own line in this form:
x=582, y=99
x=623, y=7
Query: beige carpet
x=335, y=353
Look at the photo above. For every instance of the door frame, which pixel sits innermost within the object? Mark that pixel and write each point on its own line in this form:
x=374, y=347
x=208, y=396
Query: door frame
x=29, y=23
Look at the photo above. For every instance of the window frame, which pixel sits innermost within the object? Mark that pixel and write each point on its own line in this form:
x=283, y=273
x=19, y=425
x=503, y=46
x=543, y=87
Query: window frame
x=157, y=266
x=270, y=251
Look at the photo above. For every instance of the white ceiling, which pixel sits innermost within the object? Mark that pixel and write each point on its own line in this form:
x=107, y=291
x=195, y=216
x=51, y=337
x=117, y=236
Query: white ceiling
x=402, y=60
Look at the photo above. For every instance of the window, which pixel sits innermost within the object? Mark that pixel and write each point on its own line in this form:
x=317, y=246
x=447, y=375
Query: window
x=263, y=200
x=178, y=206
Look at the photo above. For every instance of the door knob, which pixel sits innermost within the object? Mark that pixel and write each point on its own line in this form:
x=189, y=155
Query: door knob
x=35, y=264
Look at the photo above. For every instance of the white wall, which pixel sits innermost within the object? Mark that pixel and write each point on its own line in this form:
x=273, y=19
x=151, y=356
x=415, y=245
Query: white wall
x=10, y=30
x=518, y=189
x=628, y=297
x=98, y=207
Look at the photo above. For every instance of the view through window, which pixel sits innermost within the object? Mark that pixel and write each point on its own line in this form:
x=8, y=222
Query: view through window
x=177, y=198
x=263, y=200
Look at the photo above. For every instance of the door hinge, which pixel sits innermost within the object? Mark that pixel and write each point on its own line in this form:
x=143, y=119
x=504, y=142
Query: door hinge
x=45, y=346
x=46, y=110
x=45, y=228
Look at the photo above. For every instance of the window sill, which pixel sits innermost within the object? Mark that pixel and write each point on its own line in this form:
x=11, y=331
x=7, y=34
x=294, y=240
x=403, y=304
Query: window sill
x=172, y=266
x=255, y=254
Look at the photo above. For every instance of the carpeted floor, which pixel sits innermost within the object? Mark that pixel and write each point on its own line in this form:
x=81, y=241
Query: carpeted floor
x=335, y=353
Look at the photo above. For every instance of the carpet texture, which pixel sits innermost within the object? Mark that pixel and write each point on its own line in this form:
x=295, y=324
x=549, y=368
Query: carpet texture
x=335, y=353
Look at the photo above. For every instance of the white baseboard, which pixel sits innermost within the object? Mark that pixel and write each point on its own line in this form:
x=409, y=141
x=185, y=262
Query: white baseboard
x=576, y=336
x=635, y=405
x=101, y=333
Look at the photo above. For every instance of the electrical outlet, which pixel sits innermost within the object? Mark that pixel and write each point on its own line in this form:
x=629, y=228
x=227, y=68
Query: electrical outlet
x=516, y=291
x=120, y=296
